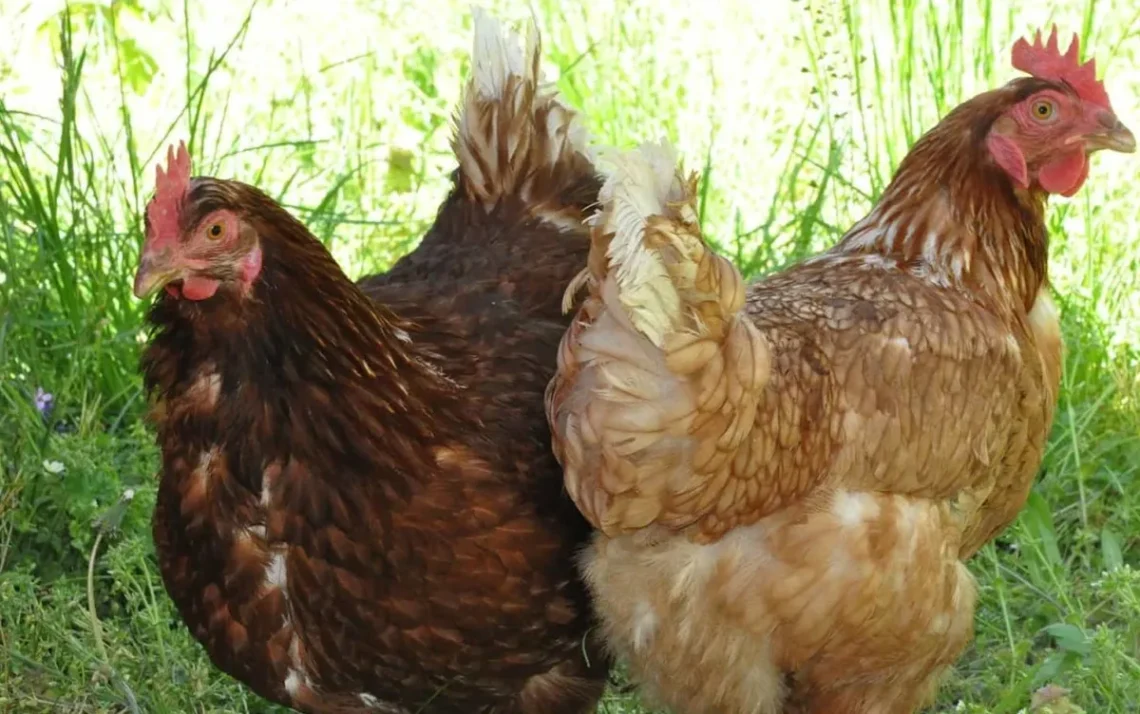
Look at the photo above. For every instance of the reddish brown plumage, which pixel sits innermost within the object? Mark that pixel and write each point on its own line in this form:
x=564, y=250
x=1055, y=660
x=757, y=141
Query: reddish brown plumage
x=358, y=508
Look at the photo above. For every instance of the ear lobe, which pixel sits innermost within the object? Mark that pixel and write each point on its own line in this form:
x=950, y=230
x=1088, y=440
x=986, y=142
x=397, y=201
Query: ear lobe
x=1009, y=157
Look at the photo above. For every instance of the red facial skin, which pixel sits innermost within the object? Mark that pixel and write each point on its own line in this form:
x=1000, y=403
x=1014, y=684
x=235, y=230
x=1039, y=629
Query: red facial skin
x=1040, y=140
x=194, y=265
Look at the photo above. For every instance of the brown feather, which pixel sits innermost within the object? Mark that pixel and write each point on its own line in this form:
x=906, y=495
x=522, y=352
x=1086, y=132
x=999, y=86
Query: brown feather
x=359, y=510
x=786, y=492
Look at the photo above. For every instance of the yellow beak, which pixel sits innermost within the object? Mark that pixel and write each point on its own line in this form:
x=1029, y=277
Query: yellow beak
x=1115, y=137
x=153, y=275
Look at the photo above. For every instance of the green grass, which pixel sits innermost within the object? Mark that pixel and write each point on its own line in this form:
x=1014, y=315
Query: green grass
x=796, y=114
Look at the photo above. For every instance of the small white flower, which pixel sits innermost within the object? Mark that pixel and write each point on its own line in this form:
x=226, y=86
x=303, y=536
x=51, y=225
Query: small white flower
x=54, y=467
x=128, y=494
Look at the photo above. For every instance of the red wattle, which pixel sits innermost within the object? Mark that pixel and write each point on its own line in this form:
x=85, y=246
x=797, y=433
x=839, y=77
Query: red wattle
x=195, y=288
x=1065, y=175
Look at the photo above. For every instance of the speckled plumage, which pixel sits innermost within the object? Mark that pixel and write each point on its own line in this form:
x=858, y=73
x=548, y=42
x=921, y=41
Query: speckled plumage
x=788, y=476
x=359, y=511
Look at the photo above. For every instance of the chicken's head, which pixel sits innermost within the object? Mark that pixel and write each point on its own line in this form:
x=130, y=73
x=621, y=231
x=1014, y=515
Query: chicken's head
x=1056, y=119
x=194, y=242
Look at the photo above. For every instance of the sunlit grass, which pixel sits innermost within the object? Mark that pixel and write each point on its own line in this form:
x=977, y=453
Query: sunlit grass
x=795, y=112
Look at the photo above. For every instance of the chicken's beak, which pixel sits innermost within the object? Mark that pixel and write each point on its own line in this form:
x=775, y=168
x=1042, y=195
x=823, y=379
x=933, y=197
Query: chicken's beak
x=1114, y=137
x=154, y=273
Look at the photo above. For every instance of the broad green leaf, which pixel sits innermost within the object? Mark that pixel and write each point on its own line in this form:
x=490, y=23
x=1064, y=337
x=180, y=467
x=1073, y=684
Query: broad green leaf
x=1069, y=638
x=1110, y=549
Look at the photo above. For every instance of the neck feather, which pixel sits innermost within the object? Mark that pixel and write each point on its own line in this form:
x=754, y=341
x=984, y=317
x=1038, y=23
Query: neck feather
x=951, y=215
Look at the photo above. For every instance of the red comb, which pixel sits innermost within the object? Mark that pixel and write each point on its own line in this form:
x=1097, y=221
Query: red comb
x=1045, y=61
x=170, y=188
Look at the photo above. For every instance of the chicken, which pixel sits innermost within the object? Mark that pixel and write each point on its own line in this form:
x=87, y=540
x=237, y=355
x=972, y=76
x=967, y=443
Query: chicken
x=359, y=510
x=787, y=477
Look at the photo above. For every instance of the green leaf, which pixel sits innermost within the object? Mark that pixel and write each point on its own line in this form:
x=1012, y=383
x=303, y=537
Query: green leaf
x=1069, y=638
x=1110, y=549
x=401, y=170
x=1038, y=521
x=139, y=67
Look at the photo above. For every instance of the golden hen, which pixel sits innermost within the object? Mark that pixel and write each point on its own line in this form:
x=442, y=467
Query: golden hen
x=787, y=477
x=359, y=510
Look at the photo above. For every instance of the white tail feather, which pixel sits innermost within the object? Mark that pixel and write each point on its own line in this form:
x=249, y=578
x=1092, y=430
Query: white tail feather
x=495, y=56
x=514, y=133
x=640, y=185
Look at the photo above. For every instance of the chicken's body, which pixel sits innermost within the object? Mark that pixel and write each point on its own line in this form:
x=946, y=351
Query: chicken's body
x=358, y=509
x=445, y=577
x=838, y=536
x=788, y=477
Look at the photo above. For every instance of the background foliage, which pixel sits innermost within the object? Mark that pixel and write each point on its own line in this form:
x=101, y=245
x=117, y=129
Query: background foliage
x=796, y=113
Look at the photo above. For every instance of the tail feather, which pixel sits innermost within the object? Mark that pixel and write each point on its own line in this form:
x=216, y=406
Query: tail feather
x=647, y=238
x=660, y=374
x=515, y=138
x=642, y=185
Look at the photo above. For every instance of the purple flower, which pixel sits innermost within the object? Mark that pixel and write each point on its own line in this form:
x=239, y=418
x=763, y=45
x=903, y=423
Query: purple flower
x=44, y=402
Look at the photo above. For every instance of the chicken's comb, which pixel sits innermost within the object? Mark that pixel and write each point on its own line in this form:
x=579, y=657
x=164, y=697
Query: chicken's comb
x=170, y=187
x=1045, y=61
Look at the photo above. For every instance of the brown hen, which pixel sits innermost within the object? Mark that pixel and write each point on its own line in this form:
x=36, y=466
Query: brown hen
x=359, y=511
x=788, y=476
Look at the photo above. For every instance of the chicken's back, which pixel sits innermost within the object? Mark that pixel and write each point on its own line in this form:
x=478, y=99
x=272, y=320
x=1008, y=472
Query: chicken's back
x=483, y=293
x=522, y=189
x=529, y=259
x=865, y=357
x=497, y=589
x=479, y=597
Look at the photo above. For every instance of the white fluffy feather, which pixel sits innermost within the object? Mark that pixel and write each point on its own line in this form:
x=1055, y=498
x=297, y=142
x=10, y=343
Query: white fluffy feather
x=506, y=82
x=496, y=56
x=641, y=184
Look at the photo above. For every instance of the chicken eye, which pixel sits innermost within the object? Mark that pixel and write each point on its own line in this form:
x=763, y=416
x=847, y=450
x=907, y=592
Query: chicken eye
x=1043, y=110
x=215, y=231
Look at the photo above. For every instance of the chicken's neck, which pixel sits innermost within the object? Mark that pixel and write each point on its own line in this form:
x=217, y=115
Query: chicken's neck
x=952, y=216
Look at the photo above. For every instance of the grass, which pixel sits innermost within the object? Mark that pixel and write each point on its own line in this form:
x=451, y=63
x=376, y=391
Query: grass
x=796, y=114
